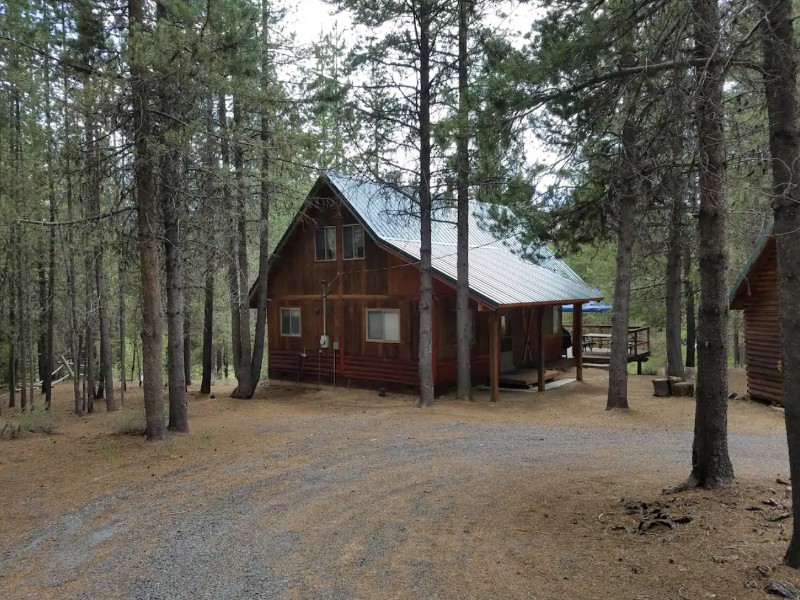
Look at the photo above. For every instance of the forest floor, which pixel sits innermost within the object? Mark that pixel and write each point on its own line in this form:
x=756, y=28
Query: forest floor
x=314, y=493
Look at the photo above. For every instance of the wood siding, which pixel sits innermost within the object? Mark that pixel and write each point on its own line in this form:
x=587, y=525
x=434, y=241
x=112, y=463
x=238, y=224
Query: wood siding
x=762, y=328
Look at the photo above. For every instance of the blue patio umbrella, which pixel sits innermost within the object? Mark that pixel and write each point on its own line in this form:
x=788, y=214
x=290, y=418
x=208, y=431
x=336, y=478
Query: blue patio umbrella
x=589, y=307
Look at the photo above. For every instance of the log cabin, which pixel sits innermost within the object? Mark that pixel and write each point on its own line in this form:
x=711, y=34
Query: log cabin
x=756, y=293
x=343, y=294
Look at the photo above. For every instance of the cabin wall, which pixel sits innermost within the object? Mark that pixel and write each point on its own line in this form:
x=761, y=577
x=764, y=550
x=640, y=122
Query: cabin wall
x=379, y=280
x=762, y=332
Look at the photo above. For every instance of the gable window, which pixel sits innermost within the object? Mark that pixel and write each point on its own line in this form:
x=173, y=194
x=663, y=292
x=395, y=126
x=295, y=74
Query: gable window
x=290, y=322
x=353, y=241
x=383, y=325
x=325, y=243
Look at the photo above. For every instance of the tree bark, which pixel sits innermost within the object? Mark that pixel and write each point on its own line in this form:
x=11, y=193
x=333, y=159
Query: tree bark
x=425, y=206
x=176, y=376
x=673, y=292
x=89, y=374
x=72, y=302
x=780, y=83
x=187, y=345
x=259, y=338
x=688, y=287
x=241, y=333
x=147, y=223
x=463, y=315
x=12, y=346
x=627, y=196
x=208, y=303
x=711, y=464
x=208, y=333
x=123, y=387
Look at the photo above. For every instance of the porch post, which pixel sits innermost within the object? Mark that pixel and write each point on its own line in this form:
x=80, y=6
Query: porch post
x=540, y=347
x=577, y=339
x=494, y=356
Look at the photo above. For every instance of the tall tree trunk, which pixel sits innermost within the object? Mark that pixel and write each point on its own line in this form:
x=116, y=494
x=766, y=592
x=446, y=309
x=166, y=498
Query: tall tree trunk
x=426, y=383
x=147, y=221
x=72, y=301
x=780, y=83
x=463, y=316
x=711, y=463
x=241, y=335
x=169, y=192
x=12, y=345
x=627, y=196
x=41, y=342
x=208, y=301
x=89, y=377
x=96, y=248
x=233, y=234
x=688, y=290
x=673, y=292
x=106, y=357
x=123, y=275
x=259, y=338
x=208, y=332
x=187, y=345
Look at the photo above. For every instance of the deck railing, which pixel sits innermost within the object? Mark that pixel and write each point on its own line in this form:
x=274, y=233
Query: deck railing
x=638, y=337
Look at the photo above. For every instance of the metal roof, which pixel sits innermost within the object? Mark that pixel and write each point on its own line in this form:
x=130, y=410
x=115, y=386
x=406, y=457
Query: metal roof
x=501, y=271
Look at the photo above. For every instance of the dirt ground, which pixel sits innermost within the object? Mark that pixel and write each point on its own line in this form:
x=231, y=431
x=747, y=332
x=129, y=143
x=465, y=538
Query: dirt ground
x=310, y=492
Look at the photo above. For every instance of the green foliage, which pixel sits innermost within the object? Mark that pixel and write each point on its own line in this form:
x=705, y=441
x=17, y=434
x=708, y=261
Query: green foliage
x=108, y=451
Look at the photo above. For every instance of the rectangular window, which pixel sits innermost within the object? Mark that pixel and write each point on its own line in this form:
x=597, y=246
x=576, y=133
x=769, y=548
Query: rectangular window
x=325, y=243
x=290, y=321
x=353, y=241
x=383, y=325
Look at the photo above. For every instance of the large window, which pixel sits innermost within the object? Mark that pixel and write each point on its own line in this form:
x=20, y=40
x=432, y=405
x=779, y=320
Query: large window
x=353, y=241
x=383, y=325
x=325, y=243
x=290, y=322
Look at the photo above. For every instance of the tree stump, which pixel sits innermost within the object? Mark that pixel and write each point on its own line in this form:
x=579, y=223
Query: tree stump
x=662, y=387
x=683, y=388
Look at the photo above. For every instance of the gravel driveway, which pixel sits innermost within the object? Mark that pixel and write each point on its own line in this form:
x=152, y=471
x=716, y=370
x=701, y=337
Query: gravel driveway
x=349, y=507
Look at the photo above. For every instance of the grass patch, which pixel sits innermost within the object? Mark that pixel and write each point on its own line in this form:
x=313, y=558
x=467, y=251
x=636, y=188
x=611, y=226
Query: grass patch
x=130, y=423
x=170, y=446
x=108, y=451
x=205, y=440
x=37, y=421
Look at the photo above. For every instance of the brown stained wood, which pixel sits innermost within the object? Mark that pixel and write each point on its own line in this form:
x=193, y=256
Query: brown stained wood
x=577, y=340
x=494, y=356
x=540, y=350
x=759, y=299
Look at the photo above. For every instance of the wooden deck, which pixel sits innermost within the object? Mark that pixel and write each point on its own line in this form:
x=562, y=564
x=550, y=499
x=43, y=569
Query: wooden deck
x=597, y=345
x=525, y=377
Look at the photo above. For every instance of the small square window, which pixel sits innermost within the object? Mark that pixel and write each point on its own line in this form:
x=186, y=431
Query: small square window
x=353, y=241
x=290, y=322
x=325, y=243
x=383, y=325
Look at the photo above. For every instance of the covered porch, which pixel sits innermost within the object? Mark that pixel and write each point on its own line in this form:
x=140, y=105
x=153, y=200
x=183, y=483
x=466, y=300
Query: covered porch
x=526, y=345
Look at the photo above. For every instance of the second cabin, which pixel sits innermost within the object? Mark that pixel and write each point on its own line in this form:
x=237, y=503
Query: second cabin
x=343, y=289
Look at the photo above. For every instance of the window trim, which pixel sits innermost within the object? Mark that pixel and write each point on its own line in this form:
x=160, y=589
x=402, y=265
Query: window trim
x=335, y=243
x=382, y=311
x=299, y=321
x=363, y=237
